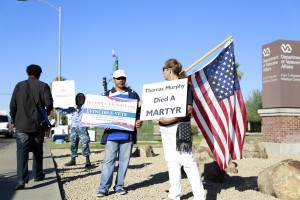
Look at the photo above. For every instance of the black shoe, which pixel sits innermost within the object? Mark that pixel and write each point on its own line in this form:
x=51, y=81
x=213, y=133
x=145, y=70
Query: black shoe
x=72, y=162
x=87, y=161
x=40, y=178
x=20, y=186
x=88, y=165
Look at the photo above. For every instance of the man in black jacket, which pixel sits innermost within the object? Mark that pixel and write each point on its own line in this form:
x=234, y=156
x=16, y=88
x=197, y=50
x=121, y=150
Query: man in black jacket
x=27, y=98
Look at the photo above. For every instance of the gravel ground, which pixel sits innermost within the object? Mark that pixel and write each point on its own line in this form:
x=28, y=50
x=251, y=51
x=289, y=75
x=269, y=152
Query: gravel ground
x=147, y=178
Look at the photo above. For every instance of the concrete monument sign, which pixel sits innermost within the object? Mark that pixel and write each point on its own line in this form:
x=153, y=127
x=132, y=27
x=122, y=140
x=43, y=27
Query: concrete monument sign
x=281, y=97
x=281, y=74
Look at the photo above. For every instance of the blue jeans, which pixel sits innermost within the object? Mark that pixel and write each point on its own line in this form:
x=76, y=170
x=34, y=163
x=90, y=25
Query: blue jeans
x=29, y=142
x=114, y=150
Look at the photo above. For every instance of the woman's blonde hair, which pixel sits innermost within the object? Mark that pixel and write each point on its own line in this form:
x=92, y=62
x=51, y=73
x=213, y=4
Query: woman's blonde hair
x=175, y=66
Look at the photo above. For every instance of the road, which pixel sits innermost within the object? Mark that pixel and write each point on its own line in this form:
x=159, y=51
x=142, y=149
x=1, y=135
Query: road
x=5, y=142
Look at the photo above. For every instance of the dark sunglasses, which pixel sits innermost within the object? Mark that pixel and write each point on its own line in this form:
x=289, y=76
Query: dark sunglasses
x=121, y=78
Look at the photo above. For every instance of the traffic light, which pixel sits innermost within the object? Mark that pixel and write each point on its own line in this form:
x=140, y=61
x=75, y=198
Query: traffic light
x=104, y=84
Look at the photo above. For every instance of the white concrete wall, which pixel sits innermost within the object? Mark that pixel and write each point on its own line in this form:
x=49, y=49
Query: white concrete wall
x=282, y=148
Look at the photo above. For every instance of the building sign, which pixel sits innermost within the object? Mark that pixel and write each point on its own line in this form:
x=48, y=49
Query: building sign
x=281, y=74
x=164, y=99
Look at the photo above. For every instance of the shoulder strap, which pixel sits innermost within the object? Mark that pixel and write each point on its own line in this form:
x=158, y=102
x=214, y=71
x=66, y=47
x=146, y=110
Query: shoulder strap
x=39, y=109
x=30, y=94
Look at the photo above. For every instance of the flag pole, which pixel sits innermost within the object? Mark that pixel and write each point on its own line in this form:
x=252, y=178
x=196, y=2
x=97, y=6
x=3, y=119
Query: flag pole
x=210, y=52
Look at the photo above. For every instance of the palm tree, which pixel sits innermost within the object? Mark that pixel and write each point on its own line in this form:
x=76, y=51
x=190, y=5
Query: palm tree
x=239, y=73
x=56, y=79
x=61, y=78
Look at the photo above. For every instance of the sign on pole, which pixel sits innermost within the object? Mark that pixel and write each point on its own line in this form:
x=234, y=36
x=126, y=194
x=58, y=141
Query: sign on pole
x=164, y=99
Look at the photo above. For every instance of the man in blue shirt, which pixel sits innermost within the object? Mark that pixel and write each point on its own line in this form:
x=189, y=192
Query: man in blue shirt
x=119, y=143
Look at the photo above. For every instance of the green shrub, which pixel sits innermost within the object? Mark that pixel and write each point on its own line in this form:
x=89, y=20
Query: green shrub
x=194, y=130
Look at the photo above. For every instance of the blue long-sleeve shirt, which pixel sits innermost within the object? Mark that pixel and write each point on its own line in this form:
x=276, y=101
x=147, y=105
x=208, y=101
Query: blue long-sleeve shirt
x=75, y=115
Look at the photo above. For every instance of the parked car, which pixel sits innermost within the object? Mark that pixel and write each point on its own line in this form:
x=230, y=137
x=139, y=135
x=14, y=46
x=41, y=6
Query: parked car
x=5, y=125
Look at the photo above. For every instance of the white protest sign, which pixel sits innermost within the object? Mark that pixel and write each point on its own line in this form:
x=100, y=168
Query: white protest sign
x=63, y=93
x=109, y=112
x=164, y=99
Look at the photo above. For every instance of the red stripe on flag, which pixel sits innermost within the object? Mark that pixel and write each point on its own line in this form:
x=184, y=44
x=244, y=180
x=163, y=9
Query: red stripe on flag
x=228, y=112
x=242, y=132
x=232, y=136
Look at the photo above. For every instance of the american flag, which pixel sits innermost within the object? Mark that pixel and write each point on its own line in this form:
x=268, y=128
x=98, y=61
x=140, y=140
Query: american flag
x=219, y=108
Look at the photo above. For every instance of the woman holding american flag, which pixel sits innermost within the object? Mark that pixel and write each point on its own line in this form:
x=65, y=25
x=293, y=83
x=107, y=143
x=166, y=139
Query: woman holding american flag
x=175, y=158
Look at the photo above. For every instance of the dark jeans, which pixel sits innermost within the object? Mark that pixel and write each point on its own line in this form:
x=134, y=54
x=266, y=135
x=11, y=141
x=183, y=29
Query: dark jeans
x=27, y=142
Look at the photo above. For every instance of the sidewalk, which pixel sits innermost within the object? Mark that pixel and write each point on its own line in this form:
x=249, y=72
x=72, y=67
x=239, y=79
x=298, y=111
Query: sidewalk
x=46, y=189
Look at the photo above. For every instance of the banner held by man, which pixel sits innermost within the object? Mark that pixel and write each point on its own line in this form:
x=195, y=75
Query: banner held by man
x=109, y=112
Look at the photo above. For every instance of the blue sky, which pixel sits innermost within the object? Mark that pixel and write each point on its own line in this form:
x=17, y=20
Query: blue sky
x=143, y=35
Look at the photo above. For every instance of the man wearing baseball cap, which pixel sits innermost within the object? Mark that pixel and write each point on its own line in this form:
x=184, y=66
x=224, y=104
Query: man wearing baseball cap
x=119, y=142
x=119, y=73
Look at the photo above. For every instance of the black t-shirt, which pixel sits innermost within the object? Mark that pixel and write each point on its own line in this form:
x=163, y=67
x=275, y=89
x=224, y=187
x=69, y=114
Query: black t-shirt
x=189, y=101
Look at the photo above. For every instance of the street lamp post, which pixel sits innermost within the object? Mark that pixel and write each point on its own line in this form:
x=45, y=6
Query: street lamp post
x=59, y=43
x=58, y=9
